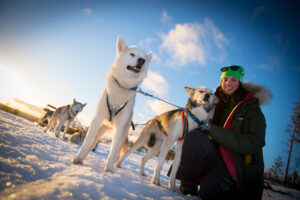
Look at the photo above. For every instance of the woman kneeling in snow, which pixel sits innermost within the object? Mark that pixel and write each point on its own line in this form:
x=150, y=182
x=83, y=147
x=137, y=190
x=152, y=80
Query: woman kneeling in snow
x=226, y=158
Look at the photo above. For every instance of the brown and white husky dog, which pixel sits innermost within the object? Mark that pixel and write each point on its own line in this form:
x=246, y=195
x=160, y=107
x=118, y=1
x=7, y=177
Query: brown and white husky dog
x=63, y=114
x=165, y=129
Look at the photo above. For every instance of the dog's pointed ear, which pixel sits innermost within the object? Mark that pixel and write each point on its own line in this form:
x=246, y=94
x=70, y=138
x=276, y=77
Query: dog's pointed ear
x=149, y=57
x=190, y=91
x=74, y=100
x=121, y=46
x=84, y=104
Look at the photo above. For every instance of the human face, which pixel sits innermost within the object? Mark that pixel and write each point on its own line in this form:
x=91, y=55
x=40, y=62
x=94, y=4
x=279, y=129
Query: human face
x=229, y=84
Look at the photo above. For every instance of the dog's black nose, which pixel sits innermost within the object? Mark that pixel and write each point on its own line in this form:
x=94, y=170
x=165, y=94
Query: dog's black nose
x=140, y=62
x=206, y=97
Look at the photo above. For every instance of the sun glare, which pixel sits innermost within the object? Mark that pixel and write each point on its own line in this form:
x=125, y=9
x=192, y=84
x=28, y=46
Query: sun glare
x=13, y=84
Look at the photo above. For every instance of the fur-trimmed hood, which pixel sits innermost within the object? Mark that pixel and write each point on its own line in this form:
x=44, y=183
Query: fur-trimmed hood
x=261, y=93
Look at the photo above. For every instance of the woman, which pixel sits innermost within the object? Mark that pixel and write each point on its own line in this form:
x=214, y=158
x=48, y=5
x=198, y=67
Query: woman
x=226, y=157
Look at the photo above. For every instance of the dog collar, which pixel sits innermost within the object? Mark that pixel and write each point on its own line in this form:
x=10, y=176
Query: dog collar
x=194, y=118
x=133, y=88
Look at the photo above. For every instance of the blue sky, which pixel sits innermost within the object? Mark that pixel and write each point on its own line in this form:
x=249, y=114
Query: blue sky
x=53, y=51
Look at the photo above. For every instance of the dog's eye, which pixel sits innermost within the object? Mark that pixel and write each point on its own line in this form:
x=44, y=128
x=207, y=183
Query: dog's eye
x=132, y=54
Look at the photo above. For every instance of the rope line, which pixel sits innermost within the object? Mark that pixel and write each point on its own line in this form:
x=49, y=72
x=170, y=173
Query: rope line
x=139, y=90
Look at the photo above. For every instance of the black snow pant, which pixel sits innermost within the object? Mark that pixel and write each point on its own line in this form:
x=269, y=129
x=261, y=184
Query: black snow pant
x=202, y=163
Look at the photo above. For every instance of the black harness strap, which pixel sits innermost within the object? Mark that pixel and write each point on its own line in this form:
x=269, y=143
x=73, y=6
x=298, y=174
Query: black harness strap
x=132, y=125
x=161, y=127
x=111, y=113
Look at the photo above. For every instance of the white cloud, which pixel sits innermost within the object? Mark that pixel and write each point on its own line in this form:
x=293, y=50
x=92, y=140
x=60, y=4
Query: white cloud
x=165, y=18
x=194, y=43
x=266, y=67
x=273, y=63
x=147, y=41
x=260, y=11
x=156, y=83
x=155, y=57
x=282, y=41
x=157, y=107
x=87, y=11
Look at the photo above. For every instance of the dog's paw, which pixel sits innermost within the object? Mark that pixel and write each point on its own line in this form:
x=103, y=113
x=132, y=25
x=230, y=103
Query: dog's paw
x=173, y=187
x=142, y=173
x=77, y=161
x=117, y=165
x=155, y=182
x=106, y=169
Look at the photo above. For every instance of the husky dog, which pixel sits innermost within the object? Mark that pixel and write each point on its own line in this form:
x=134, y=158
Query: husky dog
x=63, y=114
x=47, y=116
x=77, y=138
x=167, y=128
x=115, y=106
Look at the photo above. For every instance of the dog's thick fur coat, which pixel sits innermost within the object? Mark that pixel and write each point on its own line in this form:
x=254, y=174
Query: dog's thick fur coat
x=115, y=106
x=201, y=104
x=64, y=114
x=77, y=138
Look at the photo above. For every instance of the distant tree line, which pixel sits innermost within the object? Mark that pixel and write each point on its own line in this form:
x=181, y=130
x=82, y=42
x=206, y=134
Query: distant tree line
x=279, y=172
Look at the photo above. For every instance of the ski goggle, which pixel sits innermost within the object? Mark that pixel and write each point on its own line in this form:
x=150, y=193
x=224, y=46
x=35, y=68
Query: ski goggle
x=233, y=68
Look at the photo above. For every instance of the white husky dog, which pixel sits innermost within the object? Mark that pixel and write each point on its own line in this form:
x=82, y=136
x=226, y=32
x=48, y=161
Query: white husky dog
x=166, y=128
x=63, y=114
x=115, y=106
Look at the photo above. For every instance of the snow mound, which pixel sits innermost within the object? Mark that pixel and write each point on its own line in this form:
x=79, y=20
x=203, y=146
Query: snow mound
x=35, y=165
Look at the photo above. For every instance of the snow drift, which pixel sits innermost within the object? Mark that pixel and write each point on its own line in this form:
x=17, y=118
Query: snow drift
x=34, y=165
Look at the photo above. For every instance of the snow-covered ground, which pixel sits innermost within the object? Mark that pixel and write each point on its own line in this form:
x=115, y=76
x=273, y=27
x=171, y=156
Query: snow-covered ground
x=34, y=165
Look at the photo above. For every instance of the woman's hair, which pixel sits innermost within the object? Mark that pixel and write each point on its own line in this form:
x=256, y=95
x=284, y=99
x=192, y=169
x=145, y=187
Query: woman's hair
x=226, y=103
x=235, y=97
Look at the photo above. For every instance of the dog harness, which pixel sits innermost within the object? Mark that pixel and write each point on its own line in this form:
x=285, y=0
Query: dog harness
x=114, y=111
x=71, y=115
x=194, y=118
x=160, y=126
x=185, y=123
x=224, y=151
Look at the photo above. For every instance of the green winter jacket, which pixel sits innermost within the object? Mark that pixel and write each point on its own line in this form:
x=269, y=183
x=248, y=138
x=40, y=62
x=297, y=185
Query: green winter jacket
x=246, y=136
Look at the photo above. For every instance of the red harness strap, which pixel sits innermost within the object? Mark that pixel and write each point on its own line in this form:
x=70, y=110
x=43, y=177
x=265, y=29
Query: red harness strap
x=182, y=118
x=224, y=151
